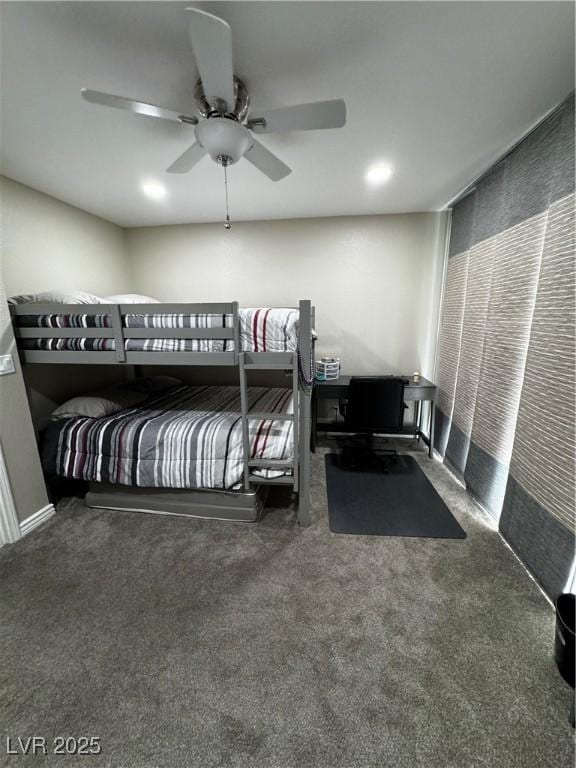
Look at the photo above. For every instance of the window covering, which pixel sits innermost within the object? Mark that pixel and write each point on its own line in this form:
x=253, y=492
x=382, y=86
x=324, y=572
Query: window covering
x=506, y=356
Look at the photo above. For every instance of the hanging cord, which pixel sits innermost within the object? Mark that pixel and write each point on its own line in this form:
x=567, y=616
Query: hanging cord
x=227, y=224
x=307, y=376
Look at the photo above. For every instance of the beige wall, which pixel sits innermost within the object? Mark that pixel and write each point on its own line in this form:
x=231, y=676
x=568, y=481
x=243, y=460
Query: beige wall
x=47, y=244
x=375, y=280
x=16, y=430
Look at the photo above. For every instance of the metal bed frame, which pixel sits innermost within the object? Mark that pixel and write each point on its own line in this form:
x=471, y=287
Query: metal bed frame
x=296, y=362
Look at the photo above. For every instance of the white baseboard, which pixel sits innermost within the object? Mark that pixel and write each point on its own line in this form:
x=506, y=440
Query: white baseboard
x=37, y=519
x=9, y=527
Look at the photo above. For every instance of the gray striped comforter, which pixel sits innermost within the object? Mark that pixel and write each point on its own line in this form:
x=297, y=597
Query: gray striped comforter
x=262, y=329
x=190, y=437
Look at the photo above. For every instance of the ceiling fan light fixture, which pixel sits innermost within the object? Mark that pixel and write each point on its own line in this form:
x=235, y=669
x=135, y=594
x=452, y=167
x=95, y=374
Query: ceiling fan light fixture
x=223, y=137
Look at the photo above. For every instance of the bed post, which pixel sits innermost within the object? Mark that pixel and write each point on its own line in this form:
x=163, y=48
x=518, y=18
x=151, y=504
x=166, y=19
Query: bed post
x=116, y=319
x=236, y=327
x=244, y=409
x=304, y=353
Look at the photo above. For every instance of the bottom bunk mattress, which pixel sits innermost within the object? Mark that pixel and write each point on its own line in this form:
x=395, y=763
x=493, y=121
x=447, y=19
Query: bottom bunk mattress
x=188, y=437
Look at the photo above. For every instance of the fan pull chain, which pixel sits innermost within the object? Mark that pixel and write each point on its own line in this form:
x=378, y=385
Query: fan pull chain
x=227, y=224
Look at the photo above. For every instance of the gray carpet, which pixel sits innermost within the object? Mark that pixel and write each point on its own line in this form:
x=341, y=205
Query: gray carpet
x=190, y=643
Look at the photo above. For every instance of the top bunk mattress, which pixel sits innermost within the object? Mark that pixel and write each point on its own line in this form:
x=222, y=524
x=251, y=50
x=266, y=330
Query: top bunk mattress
x=262, y=329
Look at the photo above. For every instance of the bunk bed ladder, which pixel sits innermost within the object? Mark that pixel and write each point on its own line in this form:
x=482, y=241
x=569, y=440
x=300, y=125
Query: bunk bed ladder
x=300, y=363
x=249, y=362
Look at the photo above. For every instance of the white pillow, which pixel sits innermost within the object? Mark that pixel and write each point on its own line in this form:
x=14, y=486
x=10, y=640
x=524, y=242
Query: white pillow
x=57, y=296
x=95, y=405
x=131, y=298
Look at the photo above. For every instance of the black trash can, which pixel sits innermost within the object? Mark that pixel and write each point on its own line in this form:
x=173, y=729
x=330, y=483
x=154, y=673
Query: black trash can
x=564, y=647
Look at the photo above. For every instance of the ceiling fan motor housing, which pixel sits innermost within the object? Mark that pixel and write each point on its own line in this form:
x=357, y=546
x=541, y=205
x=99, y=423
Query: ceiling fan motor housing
x=240, y=107
x=223, y=138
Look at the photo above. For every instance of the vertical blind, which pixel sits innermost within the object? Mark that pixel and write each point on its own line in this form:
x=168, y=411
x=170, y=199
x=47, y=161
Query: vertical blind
x=507, y=353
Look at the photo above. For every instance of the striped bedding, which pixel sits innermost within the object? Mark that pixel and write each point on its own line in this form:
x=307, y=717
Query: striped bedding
x=261, y=330
x=189, y=437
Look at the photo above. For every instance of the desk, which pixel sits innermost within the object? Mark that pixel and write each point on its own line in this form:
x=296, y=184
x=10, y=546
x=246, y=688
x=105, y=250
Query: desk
x=334, y=389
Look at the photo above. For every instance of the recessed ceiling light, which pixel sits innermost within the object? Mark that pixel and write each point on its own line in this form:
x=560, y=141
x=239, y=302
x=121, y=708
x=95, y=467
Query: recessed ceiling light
x=154, y=189
x=378, y=174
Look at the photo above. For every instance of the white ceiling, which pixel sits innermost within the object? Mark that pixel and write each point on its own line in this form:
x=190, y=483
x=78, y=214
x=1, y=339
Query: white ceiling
x=436, y=89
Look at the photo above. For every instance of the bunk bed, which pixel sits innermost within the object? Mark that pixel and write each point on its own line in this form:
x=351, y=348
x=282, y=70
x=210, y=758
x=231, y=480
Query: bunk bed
x=195, y=334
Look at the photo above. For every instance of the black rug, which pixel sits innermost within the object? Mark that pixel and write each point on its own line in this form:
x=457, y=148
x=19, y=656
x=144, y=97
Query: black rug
x=402, y=502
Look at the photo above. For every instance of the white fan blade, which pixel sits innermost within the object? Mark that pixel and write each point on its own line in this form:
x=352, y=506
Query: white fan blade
x=266, y=161
x=301, y=117
x=187, y=159
x=137, y=107
x=212, y=43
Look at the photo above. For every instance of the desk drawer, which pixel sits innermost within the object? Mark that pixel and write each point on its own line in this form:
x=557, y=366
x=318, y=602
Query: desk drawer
x=331, y=392
x=419, y=393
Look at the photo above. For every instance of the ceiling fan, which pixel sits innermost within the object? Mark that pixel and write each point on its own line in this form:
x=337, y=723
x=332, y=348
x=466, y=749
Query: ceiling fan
x=224, y=131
